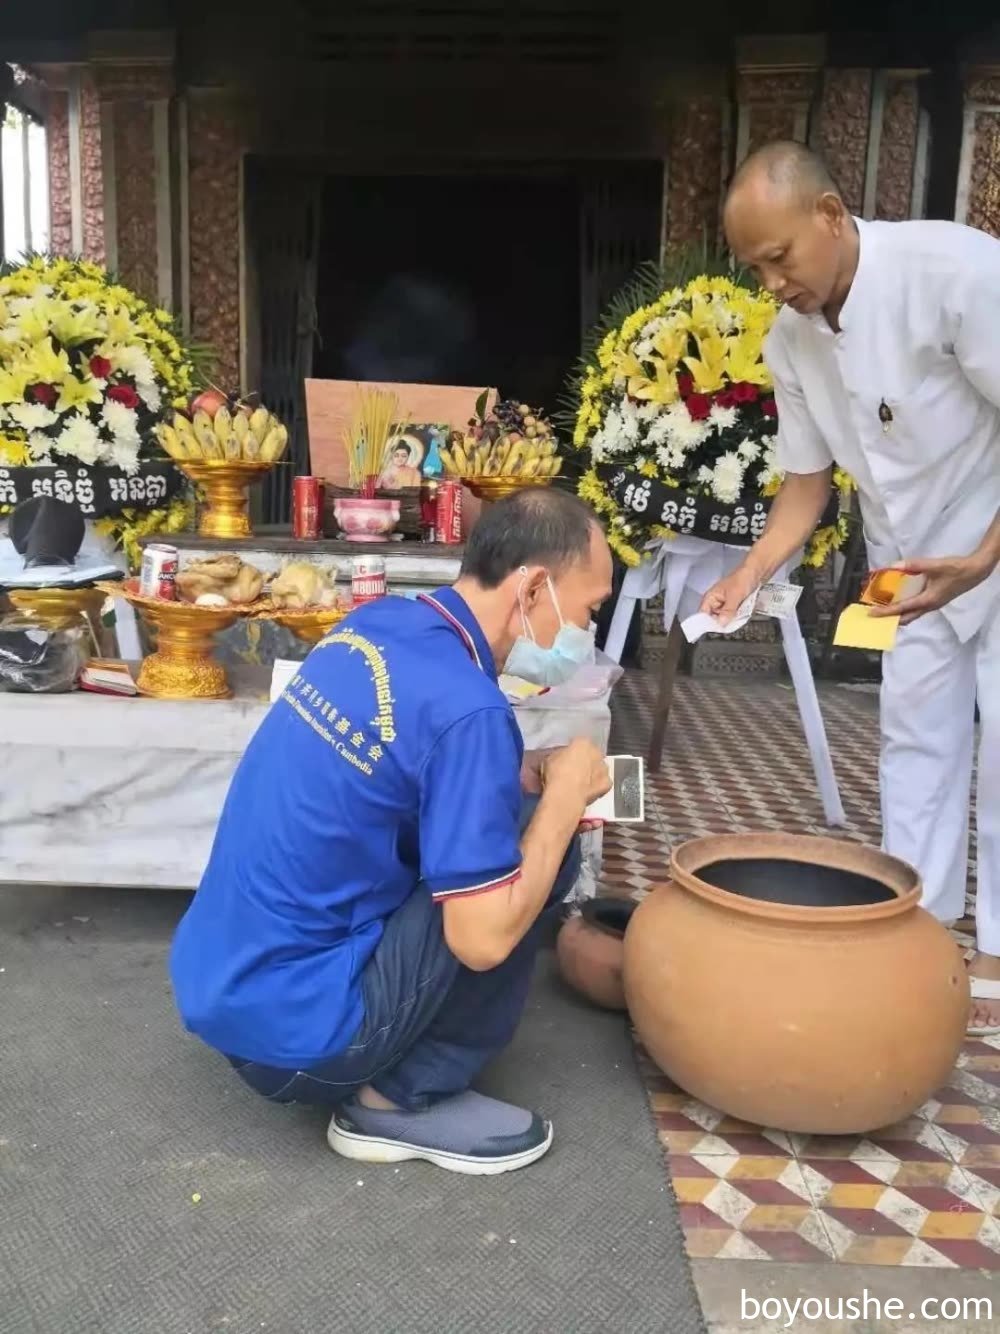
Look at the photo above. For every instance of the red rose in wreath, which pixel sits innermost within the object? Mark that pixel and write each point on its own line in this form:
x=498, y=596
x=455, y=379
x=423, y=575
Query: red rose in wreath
x=699, y=406
x=46, y=394
x=124, y=394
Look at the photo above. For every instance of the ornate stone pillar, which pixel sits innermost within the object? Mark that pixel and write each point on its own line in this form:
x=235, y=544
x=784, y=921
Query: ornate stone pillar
x=134, y=79
x=777, y=86
x=874, y=136
x=211, y=162
x=75, y=161
x=61, y=236
x=841, y=126
x=698, y=152
x=978, y=197
x=896, y=177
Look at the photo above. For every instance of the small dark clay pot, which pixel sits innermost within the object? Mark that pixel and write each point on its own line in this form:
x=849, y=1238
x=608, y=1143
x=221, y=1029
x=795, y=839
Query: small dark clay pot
x=591, y=948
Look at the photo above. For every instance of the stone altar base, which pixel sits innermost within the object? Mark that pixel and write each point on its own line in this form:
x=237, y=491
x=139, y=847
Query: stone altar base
x=128, y=791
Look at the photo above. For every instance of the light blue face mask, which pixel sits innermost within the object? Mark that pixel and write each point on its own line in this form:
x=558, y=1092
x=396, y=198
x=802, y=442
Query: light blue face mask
x=571, y=649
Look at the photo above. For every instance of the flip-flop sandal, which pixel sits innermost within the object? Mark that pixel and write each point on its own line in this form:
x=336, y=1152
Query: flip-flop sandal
x=984, y=990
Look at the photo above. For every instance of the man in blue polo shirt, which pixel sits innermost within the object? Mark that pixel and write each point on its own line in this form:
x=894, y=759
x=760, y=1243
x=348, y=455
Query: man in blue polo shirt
x=365, y=931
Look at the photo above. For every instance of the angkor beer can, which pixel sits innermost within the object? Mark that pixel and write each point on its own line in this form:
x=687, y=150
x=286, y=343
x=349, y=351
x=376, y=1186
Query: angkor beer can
x=367, y=579
x=448, y=519
x=158, y=572
x=307, y=523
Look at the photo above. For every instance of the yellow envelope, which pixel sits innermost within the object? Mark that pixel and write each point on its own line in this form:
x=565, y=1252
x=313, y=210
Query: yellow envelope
x=857, y=628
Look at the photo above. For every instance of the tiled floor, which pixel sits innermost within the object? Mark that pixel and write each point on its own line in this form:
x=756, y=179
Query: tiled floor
x=925, y=1193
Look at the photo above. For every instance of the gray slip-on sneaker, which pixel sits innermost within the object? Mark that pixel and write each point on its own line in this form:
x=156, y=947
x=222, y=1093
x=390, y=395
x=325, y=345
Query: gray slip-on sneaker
x=468, y=1133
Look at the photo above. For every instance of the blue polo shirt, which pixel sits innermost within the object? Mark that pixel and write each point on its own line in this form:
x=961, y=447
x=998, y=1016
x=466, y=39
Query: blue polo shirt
x=389, y=766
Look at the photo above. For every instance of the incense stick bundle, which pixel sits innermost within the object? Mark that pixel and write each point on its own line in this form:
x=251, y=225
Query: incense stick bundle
x=376, y=421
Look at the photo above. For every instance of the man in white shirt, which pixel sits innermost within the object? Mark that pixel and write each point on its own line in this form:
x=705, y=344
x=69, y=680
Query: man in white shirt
x=886, y=360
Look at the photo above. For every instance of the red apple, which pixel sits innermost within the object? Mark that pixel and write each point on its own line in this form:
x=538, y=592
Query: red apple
x=208, y=401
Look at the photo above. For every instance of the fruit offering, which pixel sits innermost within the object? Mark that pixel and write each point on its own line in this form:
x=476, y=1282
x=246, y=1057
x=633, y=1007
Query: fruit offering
x=227, y=430
x=513, y=441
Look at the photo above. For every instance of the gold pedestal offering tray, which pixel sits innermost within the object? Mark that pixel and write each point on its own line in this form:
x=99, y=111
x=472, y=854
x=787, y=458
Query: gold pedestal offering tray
x=183, y=666
x=497, y=488
x=510, y=449
x=310, y=625
x=59, y=607
x=224, y=445
x=226, y=484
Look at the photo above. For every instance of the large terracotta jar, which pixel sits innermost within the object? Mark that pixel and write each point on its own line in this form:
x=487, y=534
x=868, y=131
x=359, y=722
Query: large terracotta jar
x=795, y=982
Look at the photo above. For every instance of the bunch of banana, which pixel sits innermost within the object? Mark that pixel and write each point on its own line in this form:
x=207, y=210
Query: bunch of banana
x=507, y=456
x=243, y=435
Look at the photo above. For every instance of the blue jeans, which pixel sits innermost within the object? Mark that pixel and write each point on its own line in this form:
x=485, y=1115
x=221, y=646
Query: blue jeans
x=431, y=1024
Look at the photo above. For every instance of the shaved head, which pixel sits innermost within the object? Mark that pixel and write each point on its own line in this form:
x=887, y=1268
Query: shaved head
x=787, y=169
x=786, y=219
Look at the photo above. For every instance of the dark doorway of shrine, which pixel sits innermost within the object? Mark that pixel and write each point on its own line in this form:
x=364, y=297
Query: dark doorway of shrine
x=443, y=276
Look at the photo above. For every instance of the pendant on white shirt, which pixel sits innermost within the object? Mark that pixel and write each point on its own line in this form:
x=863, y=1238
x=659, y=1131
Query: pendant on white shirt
x=885, y=415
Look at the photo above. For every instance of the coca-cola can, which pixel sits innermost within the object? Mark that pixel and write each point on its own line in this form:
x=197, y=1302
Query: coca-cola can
x=428, y=509
x=448, y=516
x=367, y=579
x=158, y=572
x=307, y=521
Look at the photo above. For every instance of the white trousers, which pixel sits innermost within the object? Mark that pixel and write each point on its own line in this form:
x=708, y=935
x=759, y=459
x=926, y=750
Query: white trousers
x=929, y=687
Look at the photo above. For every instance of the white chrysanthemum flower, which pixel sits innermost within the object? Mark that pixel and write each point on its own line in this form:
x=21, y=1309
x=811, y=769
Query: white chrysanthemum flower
x=653, y=327
x=630, y=420
x=648, y=412
x=121, y=454
x=132, y=361
x=727, y=478
x=749, y=450
x=122, y=423
x=150, y=394
x=79, y=439
x=611, y=438
x=704, y=475
x=32, y=416
x=682, y=429
x=659, y=431
x=643, y=348
x=40, y=445
x=722, y=418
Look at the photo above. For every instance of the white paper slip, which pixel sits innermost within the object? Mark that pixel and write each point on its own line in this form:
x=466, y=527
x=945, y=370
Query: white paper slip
x=625, y=803
x=701, y=623
x=281, y=673
x=777, y=600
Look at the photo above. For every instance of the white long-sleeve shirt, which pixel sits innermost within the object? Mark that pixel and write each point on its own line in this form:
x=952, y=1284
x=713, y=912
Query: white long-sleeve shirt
x=919, y=342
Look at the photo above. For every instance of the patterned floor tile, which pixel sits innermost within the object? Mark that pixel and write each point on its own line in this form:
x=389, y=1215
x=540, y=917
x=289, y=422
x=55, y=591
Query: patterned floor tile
x=922, y=1193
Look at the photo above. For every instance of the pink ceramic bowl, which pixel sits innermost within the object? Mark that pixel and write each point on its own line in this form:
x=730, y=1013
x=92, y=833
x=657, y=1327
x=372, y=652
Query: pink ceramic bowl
x=360, y=520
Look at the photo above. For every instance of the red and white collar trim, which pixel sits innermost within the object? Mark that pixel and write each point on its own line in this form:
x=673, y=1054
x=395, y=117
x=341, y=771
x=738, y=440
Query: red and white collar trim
x=456, y=625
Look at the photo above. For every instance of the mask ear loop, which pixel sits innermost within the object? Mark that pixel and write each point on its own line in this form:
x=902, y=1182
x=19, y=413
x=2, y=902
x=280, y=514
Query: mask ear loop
x=555, y=601
x=525, y=625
